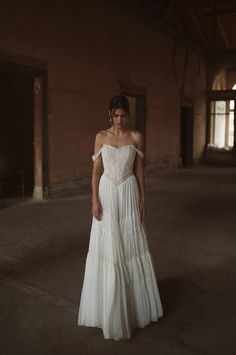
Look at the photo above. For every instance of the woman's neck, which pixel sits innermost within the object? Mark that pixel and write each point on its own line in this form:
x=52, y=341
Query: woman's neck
x=118, y=132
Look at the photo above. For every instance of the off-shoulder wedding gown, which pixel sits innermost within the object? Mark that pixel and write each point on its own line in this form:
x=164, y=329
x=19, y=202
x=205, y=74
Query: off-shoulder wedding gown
x=119, y=290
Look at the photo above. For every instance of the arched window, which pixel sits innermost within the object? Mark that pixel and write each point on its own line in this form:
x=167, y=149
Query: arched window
x=222, y=122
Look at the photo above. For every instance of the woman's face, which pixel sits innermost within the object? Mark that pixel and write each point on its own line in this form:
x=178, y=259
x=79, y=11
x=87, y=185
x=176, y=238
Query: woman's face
x=119, y=118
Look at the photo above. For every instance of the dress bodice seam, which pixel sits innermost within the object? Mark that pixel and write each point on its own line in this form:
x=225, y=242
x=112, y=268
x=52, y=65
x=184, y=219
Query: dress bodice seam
x=95, y=155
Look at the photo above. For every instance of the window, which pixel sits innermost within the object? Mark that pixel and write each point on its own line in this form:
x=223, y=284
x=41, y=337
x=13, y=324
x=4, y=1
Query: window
x=231, y=122
x=222, y=122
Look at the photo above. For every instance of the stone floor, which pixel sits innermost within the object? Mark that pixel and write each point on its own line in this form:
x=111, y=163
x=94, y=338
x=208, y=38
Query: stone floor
x=191, y=229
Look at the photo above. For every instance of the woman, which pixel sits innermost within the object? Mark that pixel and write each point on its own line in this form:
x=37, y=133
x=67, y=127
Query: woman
x=120, y=291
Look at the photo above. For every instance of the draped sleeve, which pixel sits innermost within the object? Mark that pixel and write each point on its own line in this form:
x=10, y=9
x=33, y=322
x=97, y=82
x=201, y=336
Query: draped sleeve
x=139, y=152
x=95, y=155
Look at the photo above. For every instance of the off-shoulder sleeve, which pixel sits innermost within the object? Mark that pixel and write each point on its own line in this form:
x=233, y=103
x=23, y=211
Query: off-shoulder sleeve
x=139, y=152
x=95, y=155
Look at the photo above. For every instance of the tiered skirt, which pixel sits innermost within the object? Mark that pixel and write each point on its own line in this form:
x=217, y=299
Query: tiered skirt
x=120, y=291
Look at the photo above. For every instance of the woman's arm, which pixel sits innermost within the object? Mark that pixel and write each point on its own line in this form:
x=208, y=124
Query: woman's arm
x=139, y=172
x=96, y=174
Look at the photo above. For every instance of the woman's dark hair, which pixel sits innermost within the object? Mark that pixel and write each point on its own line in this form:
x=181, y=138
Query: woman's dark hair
x=119, y=101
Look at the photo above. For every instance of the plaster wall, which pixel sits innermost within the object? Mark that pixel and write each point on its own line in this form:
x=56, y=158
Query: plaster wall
x=89, y=48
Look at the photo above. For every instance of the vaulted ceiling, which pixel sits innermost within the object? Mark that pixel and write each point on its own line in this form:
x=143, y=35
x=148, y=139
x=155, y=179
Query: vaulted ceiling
x=207, y=25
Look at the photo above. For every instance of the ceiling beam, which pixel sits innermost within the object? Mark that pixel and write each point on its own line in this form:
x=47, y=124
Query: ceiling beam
x=221, y=95
x=222, y=59
x=197, y=25
x=177, y=35
x=230, y=11
x=223, y=33
x=214, y=25
x=149, y=6
x=167, y=12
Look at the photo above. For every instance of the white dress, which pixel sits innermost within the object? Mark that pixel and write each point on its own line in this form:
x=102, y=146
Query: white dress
x=120, y=291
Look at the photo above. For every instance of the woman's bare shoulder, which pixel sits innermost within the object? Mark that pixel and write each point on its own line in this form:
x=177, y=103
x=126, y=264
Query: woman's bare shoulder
x=100, y=136
x=137, y=136
x=101, y=133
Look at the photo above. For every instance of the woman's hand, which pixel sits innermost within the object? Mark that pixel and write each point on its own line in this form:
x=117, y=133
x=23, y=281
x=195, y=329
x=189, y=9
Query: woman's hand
x=142, y=209
x=97, y=209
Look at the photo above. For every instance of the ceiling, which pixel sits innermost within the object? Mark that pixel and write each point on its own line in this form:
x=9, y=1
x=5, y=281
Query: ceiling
x=207, y=25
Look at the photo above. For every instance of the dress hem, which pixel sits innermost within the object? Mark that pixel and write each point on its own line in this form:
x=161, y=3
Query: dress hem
x=107, y=337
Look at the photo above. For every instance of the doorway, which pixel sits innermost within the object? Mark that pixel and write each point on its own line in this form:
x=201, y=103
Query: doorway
x=21, y=133
x=186, y=136
x=138, y=107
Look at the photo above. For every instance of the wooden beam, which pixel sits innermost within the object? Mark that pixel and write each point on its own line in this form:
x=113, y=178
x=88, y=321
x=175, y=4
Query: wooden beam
x=167, y=12
x=222, y=58
x=197, y=24
x=149, y=6
x=221, y=95
x=177, y=34
x=222, y=12
x=223, y=33
x=214, y=10
x=177, y=22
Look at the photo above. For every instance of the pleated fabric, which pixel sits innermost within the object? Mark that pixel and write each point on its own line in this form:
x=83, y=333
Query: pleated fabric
x=120, y=291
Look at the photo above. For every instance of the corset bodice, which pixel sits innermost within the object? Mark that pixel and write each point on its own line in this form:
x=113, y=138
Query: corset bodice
x=118, y=162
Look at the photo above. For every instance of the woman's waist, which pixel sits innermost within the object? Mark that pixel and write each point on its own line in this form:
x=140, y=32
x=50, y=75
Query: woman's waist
x=118, y=178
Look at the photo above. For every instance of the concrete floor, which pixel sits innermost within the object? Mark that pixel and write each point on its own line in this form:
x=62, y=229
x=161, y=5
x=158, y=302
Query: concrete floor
x=192, y=235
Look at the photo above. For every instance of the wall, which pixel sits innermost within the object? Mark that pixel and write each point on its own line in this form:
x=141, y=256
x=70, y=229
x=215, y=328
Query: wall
x=89, y=48
x=219, y=82
x=230, y=78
